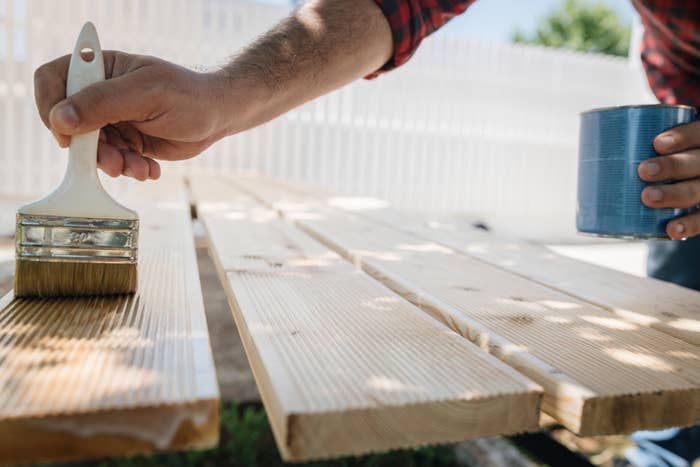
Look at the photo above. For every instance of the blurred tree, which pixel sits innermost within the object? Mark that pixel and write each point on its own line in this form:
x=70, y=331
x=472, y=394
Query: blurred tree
x=583, y=26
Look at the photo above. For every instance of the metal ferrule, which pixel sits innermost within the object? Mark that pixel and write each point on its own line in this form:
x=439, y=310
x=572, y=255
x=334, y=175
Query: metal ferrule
x=55, y=238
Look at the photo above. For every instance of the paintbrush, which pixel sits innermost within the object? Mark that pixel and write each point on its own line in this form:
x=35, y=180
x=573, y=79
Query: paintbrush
x=77, y=240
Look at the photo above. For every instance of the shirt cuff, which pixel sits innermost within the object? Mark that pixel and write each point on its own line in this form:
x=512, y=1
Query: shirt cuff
x=411, y=21
x=398, y=14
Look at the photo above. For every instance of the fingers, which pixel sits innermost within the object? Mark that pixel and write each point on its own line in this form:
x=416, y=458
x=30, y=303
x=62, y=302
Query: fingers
x=678, y=139
x=679, y=162
x=50, y=88
x=140, y=167
x=115, y=162
x=684, y=227
x=114, y=137
x=153, y=168
x=131, y=136
x=63, y=140
x=680, y=166
x=111, y=101
x=165, y=149
x=135, y=165
x=676, y=195
x=109, y=159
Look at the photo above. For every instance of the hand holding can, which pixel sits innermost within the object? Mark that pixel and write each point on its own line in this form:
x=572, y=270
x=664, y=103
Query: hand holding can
x=679, y=161
x=613, y=142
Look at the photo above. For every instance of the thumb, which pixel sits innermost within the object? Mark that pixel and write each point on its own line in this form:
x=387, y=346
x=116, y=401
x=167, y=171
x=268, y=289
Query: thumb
x=111, y=101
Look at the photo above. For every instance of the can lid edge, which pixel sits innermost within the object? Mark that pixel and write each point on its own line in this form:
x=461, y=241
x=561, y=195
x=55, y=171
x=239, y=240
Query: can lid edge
x=640, y=106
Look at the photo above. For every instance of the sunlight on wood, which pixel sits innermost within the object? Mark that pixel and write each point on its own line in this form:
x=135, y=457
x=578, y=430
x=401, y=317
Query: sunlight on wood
x=641, y=360
x=344, y=365
x=357, y=203
x=90, y=377
x=510, y=301
x=611, y=323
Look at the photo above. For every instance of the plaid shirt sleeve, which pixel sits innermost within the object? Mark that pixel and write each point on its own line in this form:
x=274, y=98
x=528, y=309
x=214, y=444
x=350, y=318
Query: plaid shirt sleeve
x=671, y=49
x=412, y=20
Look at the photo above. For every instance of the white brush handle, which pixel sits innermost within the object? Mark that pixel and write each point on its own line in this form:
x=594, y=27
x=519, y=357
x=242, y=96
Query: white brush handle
x=81, y=194
x=82, y=164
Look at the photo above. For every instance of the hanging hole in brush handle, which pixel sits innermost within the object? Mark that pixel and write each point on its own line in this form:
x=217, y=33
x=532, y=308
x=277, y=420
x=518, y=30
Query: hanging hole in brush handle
x=86, y=64
x=87, y=54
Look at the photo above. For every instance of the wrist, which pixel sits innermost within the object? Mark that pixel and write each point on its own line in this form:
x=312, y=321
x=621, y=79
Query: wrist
x=236, y=101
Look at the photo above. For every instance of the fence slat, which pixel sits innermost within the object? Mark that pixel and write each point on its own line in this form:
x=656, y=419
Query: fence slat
x=509, y=112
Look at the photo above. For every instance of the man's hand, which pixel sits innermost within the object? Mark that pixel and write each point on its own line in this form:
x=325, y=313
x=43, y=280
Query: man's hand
x=147, y=108
x=680, y=163
x=151, y=109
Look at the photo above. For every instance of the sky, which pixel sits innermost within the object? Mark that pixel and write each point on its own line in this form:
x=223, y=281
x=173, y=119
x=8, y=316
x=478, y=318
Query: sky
x=495, y=20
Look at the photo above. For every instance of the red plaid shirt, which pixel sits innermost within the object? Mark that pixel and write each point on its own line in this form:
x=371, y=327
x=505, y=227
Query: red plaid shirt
x=670, y=47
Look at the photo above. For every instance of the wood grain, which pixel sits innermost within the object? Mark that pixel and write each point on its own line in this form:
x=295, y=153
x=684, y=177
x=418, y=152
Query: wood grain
x=344, y=365
x=601, y=374
x=106, y=376
x=644, y=301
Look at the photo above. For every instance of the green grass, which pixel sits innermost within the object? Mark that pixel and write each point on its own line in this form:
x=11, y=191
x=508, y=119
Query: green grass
x=246, y=440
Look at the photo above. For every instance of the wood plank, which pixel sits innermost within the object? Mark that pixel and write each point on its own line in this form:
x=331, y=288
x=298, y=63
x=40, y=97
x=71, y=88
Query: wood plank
x=92, y=377
x=644, y=301
x=601, y=374
x=345, y=366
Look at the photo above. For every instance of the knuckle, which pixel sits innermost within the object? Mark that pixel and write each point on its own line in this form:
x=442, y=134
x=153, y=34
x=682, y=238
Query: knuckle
x=669, y=166
x=41, y=71
x=94, y=95
x=679, y=138
x=679, y=193
x=42, y=86
x=694, y=191
x=686, y=193
x=141, y=173
x=112, y=171
x=116, y=63
x=124, y=63
x=89, y=102
x=137, y=60
x=687, y=136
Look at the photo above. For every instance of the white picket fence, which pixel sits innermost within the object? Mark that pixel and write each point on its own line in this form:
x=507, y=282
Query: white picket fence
x=483, y=128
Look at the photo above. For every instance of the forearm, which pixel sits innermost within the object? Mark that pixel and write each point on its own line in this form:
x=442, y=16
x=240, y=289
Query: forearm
x=324, y=45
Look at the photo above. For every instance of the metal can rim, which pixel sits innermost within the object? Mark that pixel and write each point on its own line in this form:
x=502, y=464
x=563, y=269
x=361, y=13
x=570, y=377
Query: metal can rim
x=639, y=106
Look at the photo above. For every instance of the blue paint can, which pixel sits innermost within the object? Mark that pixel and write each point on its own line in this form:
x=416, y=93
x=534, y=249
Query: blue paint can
x=612, y=143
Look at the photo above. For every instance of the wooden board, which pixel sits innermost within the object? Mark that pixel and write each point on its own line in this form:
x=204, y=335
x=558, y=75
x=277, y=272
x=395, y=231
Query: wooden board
x=644, y=301
x=344, y=365
x=601, y=374
x=96, y=377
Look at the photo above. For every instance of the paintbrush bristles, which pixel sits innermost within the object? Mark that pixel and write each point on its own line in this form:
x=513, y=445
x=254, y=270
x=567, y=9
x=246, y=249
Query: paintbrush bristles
x=65, y=278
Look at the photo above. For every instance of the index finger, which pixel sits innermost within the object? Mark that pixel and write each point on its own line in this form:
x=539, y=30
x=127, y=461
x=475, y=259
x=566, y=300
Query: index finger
x=678, y=139
x=50, y=86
